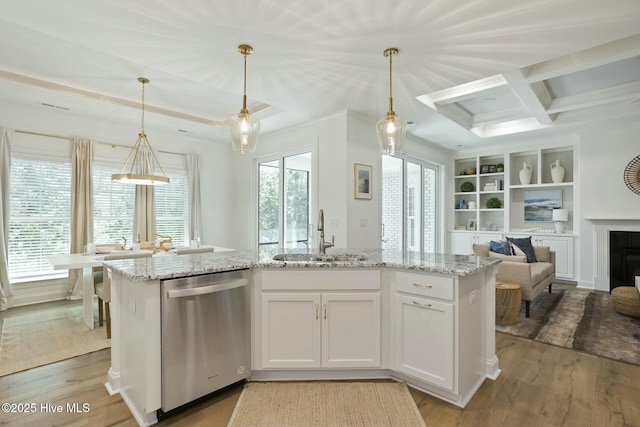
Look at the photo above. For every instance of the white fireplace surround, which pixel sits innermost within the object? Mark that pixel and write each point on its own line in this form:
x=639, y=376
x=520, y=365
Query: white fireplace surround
x=601, y=229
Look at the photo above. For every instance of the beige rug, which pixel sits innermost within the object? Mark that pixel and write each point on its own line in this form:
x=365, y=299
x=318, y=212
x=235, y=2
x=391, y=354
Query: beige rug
x=325, y=404
x=47, y=335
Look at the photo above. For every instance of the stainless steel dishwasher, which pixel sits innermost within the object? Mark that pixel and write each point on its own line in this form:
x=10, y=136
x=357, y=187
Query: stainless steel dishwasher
x=205, y=335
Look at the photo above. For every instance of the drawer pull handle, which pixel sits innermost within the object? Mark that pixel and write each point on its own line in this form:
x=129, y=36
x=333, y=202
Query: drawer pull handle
x=421, y=304
x=422, y=286
x=325, y=311
x=316, y=311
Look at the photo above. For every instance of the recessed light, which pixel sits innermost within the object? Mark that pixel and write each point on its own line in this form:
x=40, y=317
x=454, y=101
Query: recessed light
x=489, y=99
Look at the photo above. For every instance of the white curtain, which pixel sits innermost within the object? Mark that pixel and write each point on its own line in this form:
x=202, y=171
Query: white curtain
x=6, y=294
x=195, y=204
x=81, y=205
x=144, y=214
x=144, y=210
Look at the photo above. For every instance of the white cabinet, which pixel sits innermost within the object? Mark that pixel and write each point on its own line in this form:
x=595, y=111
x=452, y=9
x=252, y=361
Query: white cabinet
x=425, y=303
x=462, y=241
x=318, y=318
x=424, y=339
x=313, y=330
x=562, y=246
x=350, y=330
x=291, y=330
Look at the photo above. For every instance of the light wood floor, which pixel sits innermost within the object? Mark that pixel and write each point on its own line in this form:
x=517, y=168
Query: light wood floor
x=540, y=385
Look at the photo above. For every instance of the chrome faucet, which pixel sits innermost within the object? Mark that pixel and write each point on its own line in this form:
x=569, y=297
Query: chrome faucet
x=323, y=245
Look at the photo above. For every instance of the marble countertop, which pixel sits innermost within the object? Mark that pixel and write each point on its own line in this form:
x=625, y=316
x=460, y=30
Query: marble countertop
x=170, y=267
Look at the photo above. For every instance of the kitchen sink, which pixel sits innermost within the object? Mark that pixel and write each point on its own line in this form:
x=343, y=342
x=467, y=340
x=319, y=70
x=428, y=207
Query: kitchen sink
x=319, y=257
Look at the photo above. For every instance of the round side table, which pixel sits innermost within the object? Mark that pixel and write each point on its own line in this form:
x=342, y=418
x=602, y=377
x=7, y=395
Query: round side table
x=508, y=299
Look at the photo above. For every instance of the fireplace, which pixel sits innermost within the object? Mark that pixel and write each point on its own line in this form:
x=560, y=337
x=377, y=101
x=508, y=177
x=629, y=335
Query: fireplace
x=624, y=257
x=608, y=271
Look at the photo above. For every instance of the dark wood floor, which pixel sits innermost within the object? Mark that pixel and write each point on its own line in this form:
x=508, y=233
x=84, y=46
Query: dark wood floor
x=540, y=385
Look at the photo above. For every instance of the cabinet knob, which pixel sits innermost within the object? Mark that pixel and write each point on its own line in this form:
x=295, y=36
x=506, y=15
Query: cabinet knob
x=422, y=286
x=421, y=304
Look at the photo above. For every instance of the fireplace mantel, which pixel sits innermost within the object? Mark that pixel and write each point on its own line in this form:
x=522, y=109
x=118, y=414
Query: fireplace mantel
x=602, y=227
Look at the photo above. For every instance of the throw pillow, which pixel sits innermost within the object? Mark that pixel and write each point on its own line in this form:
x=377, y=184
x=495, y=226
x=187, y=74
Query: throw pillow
x=525, y=245
x=500, y=247
x=509, y=258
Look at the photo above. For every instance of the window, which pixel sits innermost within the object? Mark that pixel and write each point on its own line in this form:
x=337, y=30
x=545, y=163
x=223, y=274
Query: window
x=39, y=217
x=409, y=223
x=112, y=207
x=172, y=209
x=284, y=191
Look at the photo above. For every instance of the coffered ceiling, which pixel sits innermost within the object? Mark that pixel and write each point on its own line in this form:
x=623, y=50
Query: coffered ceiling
x=468, y=72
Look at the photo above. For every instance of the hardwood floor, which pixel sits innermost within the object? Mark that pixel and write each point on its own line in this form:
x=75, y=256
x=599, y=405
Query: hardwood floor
x=540, y=385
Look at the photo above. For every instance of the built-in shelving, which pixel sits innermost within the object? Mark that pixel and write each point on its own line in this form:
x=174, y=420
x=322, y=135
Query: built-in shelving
x=482, y=224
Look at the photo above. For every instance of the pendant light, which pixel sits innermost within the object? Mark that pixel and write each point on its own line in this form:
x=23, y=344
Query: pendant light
x=243, y=126
x=140, y=164
x=391, y=128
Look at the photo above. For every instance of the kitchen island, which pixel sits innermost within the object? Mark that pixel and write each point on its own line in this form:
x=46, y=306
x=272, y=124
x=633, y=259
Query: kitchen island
x=427, y=319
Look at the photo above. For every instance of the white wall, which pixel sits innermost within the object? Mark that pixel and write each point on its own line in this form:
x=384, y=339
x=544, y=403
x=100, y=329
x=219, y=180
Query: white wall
x=364, y=216
x=605, y=151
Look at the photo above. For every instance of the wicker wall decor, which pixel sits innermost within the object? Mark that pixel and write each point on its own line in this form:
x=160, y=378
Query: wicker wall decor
x=632, y=175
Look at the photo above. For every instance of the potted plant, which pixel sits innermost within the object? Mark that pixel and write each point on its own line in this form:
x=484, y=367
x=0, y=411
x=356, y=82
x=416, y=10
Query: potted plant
x=494, y=203
x=500, y=167
x=467, y=187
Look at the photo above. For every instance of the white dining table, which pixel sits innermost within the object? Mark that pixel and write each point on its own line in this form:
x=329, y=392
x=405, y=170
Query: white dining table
x=86, y=263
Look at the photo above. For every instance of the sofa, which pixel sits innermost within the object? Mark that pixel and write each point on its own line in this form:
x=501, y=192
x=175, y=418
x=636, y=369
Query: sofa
x=532, y=277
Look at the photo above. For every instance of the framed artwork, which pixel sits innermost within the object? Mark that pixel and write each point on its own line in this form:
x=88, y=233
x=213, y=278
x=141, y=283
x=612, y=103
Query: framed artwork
x=362, y=181
x=539, y=204
x=471, y=224
x=484, y=169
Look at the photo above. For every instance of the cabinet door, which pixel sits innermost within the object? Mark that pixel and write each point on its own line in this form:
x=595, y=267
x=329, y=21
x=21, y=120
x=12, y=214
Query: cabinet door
x=291, y=330
x=350, y=330
x=461, y=243
x=563, y=247
x=424, y=340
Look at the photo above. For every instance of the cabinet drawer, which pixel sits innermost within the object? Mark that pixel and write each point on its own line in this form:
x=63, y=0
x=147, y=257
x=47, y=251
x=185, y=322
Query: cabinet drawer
x=425, y=285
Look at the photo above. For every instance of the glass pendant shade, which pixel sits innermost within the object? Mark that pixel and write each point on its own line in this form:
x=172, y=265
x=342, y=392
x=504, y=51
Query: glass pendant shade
x=243, y=127
x=244, y=130
x=140, y=166
x=391, y=130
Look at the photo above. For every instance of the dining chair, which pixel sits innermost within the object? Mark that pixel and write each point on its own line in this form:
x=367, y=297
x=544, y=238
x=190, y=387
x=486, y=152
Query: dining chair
x=102, y=287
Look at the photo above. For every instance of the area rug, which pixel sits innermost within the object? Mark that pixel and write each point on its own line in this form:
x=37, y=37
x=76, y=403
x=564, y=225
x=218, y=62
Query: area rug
x=325, y=404
x=580, y=320
x=45, y=336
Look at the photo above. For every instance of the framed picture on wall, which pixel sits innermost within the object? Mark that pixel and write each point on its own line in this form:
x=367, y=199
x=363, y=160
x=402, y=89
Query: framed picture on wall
x=362, y=187
x=539, y=204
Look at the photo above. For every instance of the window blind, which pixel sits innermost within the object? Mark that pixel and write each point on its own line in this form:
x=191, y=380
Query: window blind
x=40, y=211
x=113, y=206
x=172, y=209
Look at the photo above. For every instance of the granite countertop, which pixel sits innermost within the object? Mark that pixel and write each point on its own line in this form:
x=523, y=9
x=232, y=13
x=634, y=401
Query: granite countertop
x=174, y=266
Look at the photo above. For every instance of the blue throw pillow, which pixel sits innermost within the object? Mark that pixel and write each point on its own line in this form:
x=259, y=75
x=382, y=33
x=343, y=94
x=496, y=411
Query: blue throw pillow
x=501, y=247
x=525, y=245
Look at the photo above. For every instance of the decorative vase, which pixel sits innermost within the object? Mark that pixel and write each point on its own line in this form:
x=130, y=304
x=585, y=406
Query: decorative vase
x=557, y=172
x=525, y=174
